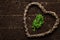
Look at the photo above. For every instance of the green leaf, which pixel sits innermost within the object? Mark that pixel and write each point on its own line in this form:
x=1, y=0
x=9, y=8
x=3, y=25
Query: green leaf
x=37, y=22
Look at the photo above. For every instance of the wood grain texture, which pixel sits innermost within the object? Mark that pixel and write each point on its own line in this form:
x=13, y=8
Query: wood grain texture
x=11, y=19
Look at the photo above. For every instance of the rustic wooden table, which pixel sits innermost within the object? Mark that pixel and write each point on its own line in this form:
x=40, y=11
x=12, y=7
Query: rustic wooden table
x=11, y=19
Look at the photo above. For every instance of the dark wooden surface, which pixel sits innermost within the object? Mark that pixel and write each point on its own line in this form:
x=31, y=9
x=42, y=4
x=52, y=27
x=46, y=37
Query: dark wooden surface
x=11, y=19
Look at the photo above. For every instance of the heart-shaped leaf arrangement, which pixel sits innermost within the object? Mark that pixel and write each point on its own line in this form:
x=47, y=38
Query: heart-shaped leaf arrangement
x=41, y=22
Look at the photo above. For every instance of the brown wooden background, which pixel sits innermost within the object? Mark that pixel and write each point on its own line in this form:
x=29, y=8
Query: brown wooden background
x=11, y=19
